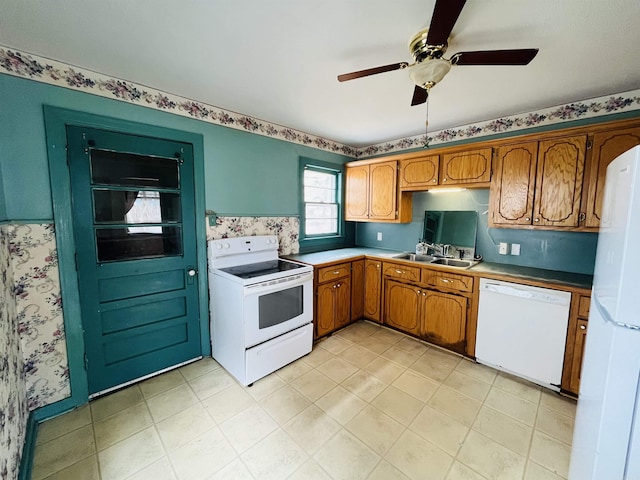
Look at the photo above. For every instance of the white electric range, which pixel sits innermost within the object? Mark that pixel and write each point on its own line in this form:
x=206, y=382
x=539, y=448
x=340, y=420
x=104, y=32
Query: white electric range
x=261, y=306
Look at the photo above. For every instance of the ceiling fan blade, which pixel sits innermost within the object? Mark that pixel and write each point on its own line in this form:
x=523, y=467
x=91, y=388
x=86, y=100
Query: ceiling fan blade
x=495, y=57
x=371, y=71
x=445, y=15
x=419, y=96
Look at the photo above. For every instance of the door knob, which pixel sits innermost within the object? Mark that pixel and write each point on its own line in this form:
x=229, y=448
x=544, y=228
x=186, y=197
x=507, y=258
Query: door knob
x=192, y=272
x=191, y=275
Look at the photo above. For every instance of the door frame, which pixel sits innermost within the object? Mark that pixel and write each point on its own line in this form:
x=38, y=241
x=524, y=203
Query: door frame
x=56, y=120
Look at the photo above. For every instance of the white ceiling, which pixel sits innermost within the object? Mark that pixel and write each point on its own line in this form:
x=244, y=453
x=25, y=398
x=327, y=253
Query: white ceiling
x=278, y=60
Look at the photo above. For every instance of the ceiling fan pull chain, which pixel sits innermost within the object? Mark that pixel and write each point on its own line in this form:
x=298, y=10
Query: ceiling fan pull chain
x=426, y=123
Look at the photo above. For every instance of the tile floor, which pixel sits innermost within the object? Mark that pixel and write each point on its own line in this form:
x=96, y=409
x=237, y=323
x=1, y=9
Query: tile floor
x=367, y=403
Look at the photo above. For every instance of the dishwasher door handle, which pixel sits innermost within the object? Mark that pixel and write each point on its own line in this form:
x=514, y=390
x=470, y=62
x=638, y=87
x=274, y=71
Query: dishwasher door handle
x=523, y=293
x=506, y=290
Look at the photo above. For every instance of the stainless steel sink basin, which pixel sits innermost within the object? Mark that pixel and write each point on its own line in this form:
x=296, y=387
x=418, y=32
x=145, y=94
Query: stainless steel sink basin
x=415, y=257
x=452, y=262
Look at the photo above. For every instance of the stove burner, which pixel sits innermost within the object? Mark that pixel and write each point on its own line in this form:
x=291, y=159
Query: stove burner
x=253, y=270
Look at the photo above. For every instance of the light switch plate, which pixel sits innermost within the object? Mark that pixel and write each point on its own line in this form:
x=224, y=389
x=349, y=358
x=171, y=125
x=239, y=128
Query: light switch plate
x=504, y=247
x=515, y=249
x=379, y=236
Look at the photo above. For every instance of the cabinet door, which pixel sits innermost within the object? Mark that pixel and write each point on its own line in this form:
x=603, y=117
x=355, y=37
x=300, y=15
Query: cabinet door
x=325, y=309
x=606, y=147
x=382, y=191
x=471, y=166
x=445, y=320
x=578, y=352
x=342, y=299
x=372, y=286
x=559, y=182
x=402, y=306
x=357, y=289
x=419, y=173
x=513, y=185
x=356, y=202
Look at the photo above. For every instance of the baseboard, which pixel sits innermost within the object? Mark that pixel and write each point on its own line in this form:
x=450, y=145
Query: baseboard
x=28, y=448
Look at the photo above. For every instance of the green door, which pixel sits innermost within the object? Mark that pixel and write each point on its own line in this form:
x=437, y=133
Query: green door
x=134, y=223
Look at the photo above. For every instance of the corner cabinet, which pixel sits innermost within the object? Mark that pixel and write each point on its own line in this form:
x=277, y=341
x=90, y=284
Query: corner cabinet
x=372, y=289
x=538, y=184
x=372, y=194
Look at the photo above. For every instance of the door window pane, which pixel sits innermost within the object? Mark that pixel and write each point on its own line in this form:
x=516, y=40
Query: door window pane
x=134, y=206
x=117, y=168
x=130, y=243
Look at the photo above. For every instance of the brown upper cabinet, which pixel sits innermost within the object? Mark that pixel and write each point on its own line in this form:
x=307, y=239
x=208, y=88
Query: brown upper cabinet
x=606, y=147
x=538, y=183
x=420, y=172
x=466, y=167
x=372, y=194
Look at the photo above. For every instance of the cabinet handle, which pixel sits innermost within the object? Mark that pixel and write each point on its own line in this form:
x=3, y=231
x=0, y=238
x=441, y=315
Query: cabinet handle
x=418, y=292
x=444, y=280
x=377, y=265
x=424, y=294
x=337, y=272
x=444, y=179
x=582, y=217
x=583, y=327
x=339, y=285
x=435, y=180
x=528, y=219
x=400, y=271
x=537, y=220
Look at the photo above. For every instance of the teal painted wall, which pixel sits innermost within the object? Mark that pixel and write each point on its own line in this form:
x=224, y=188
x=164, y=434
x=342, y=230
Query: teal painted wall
x=3, y=210
x=552, y=250
x=245, y=174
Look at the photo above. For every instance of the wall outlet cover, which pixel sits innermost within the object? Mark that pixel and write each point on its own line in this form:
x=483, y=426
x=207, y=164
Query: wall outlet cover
x=379, y=236
x=503, y=248
x=515, y=249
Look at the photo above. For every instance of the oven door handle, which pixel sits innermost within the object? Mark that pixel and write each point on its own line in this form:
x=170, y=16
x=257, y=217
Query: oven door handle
x=278, y=284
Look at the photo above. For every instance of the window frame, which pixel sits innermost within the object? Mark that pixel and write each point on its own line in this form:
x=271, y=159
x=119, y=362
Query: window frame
x=309, y=242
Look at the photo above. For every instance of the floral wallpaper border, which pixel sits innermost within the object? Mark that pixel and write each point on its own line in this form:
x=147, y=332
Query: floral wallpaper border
x=36, y=288
x=21, y=64
x=13, y=397
x=595, y=107
x=25, y=65
x=286, y=228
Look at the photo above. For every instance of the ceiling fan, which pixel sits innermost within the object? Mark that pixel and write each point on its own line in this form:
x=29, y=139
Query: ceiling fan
x=428, y=47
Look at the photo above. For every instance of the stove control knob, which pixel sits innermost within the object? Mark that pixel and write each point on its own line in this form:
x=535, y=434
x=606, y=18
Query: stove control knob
x=226, y=245
x=219, y=246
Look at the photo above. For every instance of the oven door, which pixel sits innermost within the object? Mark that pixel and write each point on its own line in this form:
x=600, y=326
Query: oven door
x=276, y=307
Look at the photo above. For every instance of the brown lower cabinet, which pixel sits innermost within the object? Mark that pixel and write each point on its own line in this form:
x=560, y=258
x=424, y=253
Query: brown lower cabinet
x=437, y=317
x=333, y=307
x=576, y=337
x=372, y=289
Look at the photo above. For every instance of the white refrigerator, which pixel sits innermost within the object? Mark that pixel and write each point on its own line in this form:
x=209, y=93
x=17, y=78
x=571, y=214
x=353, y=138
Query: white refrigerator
x=606, y=439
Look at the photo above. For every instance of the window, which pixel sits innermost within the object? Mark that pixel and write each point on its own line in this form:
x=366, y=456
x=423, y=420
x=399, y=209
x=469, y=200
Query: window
x=321, y=199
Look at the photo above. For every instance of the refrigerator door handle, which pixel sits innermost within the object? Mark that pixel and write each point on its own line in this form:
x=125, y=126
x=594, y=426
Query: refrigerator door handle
x=607, y=316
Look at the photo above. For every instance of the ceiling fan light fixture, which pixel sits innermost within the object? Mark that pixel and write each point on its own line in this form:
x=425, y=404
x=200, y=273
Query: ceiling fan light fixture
x=430, y=72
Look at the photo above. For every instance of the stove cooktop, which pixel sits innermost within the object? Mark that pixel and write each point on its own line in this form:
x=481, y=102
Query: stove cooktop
x=253, y=270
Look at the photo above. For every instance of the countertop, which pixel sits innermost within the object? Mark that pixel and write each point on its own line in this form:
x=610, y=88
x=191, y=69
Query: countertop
x=483, y=268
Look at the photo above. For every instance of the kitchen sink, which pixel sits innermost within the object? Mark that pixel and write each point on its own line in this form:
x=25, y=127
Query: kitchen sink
x=452, y=262
x=414, y=257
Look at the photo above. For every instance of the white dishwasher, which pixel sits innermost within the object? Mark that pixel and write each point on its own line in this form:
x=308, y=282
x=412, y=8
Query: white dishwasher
x=523, y=330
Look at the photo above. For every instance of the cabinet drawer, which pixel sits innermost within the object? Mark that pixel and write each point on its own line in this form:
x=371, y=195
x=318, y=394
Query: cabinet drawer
x=436, y=278
x=327, y=274
x=583, y=306
x=401, y=271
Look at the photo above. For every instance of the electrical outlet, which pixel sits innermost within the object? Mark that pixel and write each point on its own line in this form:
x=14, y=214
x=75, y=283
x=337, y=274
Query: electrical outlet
x=504, y=247
x=515, y=249
x=379, y=237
